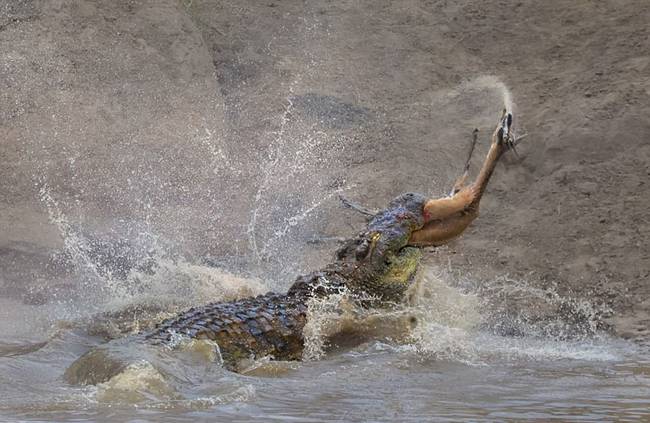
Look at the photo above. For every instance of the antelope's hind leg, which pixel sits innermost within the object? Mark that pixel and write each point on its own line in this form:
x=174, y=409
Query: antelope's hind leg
x=447, y=218
x=460, y=181
x=459, y=198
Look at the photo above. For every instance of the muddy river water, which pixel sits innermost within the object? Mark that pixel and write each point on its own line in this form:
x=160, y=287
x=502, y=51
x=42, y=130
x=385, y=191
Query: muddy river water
x=450, y=366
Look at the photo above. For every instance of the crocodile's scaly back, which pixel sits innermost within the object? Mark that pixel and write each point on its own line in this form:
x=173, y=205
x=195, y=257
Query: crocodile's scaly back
x=266, y=325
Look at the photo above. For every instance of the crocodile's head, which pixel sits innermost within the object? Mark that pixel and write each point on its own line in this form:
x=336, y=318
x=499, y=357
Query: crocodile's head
x=381, y=263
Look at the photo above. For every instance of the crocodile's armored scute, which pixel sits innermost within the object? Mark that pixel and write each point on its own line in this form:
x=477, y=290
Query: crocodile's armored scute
x=266, y=325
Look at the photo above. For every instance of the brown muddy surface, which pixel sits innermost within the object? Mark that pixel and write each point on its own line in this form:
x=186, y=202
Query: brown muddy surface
x=159, y=154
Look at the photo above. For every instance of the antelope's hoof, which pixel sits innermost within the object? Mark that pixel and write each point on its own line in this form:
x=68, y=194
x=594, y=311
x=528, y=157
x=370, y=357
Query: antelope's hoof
x=505, y=135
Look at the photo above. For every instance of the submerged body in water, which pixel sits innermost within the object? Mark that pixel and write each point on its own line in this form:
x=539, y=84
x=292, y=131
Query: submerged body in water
x=375, y=269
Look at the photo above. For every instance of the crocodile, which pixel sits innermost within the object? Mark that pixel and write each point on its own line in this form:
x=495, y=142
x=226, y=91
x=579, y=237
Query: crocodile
x=376, y=268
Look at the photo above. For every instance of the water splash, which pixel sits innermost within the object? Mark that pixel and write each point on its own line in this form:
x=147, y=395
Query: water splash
x=272, y=161
x=289, y=222
x=297, y=180
x=323, y=317
x=74, y=244
x=444, y=322
x=467, y=325
x=147, y=276
x=516, y=307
